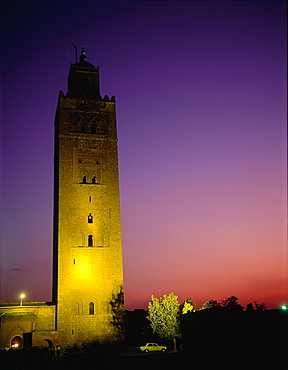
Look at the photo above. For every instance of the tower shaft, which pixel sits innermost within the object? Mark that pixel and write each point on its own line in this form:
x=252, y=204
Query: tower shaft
x=87, y=230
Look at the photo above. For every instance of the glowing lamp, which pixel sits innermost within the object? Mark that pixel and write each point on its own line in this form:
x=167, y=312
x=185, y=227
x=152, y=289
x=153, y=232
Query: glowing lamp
x=284, y=307
x=22, y=296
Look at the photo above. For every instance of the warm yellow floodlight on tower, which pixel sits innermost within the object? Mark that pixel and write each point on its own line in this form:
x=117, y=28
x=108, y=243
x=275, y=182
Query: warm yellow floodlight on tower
x=87, y=232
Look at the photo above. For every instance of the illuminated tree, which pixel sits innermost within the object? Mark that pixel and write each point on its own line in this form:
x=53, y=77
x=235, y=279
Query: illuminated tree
x=188, y=306
x=163, y=314
x=210, y=304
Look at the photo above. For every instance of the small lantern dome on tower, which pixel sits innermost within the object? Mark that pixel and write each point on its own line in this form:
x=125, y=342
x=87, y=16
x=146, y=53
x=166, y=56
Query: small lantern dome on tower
x=83, y=57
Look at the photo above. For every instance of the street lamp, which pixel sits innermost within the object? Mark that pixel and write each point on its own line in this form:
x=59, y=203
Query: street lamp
x=21, y=299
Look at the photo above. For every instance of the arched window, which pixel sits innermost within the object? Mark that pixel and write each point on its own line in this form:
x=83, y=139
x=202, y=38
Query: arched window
x=91, y=308
x=90, y=219
x=93, y=180
x=83, y=128
x=93, y=129
x=84, y=180
x=90, y=240
x=77, y=308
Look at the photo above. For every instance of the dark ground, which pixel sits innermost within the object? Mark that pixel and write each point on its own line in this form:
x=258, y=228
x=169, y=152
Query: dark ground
x=128, y=358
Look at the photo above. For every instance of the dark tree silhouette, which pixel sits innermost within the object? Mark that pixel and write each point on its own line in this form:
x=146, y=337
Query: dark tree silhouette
x=231, y=303
x=117, y=306
x=260, y=307
x=249, y=307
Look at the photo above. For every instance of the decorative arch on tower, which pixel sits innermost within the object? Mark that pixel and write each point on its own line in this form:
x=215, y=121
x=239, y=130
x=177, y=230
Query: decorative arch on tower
x=77, y=307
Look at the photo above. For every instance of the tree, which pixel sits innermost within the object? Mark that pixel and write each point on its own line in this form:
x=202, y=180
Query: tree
x=210, y=304
x=163, y=314
x=117, y=307
x=188, y=306
x=249, y=307
x=260, y=307
x=231, y=303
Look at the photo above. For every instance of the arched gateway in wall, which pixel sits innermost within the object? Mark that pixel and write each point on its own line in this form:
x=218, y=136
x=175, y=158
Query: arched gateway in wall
x=17, y=342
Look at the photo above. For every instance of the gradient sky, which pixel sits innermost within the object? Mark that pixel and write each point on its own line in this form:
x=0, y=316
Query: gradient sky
x=201, y=112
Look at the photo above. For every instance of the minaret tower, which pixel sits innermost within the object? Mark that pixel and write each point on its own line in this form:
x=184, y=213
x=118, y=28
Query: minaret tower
x=87, y=231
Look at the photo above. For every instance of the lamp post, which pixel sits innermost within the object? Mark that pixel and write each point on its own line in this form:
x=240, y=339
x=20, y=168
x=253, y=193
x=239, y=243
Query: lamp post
x=21, y=299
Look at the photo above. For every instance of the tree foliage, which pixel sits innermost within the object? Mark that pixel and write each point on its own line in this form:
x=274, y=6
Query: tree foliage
x=188, y=306
x=210, y=304
x=117, y=307
x=258, y=306
x=163, y=314
x=231, y=303
x=249, y=307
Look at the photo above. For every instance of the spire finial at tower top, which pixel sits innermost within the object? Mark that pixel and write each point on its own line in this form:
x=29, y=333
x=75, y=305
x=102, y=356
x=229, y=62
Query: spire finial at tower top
x=83, y=57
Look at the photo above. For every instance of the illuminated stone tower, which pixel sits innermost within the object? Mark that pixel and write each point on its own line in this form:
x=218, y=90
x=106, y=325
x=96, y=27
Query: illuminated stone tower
x=87, y=231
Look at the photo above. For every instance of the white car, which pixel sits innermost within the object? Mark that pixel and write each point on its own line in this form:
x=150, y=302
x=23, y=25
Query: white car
x=149, y=347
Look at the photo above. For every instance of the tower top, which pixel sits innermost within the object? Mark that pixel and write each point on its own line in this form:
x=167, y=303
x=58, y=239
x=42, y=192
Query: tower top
x=83, y=79
x=83, y=57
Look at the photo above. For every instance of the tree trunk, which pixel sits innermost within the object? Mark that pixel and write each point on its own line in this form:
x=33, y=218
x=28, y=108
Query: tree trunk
x=174, y=345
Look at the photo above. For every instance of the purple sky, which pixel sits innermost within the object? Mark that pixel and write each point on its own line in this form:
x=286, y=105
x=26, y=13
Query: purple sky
x=201, y=111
